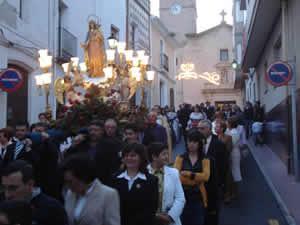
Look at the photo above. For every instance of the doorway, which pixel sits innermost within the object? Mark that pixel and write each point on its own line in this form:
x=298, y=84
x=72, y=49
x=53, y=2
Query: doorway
x=220, y=104
x=172, y=98
x=163, y=94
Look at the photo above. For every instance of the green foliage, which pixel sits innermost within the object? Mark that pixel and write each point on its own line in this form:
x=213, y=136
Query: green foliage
x=80, y=114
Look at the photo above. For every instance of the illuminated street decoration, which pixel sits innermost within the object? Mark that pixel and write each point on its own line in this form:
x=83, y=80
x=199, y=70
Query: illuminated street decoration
x=188, y=74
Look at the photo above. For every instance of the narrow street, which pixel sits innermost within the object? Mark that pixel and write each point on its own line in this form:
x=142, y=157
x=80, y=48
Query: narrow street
x=93, y=95
x=257, y=205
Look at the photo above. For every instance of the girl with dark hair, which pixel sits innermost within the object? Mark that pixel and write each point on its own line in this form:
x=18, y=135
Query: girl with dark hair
x=138, y=190
x=194, y=172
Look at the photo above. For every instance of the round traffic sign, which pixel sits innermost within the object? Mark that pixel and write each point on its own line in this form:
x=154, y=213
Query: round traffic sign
x=279, y=73
x=10, y=80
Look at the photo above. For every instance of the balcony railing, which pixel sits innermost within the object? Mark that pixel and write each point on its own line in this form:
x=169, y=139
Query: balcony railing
x=164, y=62
x=67, y=44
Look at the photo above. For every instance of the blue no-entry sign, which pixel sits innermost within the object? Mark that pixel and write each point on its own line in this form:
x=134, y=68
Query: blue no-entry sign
x=279, y=73
x=10, y=80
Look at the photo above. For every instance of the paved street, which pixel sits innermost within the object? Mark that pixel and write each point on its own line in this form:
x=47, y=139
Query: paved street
x=256, y=205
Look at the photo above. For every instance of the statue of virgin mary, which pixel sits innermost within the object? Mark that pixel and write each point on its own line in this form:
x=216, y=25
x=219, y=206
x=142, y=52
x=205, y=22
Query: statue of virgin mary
x=94, y=50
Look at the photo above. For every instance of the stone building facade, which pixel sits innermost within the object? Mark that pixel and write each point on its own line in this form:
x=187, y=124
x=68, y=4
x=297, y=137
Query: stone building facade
x=179, y=16
x=211, y=53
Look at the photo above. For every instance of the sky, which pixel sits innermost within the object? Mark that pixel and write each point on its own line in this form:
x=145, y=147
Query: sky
x=208, y=12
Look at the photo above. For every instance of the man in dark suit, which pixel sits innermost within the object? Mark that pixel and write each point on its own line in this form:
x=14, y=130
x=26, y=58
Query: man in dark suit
x=209, y=110
x=154, y=132
x=7, y=147
x=216, y=152
x=46, y=167
x=18, y=184
x=23, y=149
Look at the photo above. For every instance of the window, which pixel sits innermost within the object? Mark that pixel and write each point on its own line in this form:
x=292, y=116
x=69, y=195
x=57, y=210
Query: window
x=161, y=46
x=238, y=13
x=224, y=55
x=239, y=53
x=114, y=31
x=161, y=51
x=224, y=76
x=133, y=36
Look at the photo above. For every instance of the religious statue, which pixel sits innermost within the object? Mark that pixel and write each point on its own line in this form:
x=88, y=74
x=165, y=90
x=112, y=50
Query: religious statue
x=94, y=50
x=125, y=89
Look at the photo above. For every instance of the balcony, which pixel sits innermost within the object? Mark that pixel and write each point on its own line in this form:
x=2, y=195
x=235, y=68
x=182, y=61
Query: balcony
x=164, y=62
x=67, y=45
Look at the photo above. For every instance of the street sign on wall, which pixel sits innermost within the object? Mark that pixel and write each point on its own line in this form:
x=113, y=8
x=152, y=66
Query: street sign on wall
x=10, y=80
x=279, y=73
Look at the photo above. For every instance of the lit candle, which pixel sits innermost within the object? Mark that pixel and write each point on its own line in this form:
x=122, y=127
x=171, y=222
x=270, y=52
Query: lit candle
x=150, y=75
x=121, y=47
x=110, y=54
x=83, y=67
x=65, y=67
x=128, y=55
x=108, y=71
x=75, y=61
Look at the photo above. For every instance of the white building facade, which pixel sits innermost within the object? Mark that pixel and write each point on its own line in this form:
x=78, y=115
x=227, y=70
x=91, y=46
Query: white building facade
x=58, y=25
x=164, y=50
x=272, y=33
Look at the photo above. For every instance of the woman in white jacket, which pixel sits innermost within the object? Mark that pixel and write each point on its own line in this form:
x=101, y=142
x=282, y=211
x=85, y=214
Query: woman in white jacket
x=171, y=195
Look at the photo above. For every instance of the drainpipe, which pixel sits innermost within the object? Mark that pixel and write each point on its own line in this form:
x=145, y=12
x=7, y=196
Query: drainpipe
x=55, y=14
x=285, y=58
x=291, y=90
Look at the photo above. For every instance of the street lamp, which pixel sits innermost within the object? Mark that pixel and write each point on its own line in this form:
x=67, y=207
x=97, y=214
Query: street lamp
x=112, y=42
x=234, y=64
x=44, y=80
x=126, y=63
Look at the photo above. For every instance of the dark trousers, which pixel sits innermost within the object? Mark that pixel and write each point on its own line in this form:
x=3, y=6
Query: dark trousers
x=193, y=213
x=212, y=213
x=211, y=218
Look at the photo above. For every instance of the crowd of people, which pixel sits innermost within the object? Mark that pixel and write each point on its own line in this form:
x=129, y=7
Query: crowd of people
x=105, y=174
